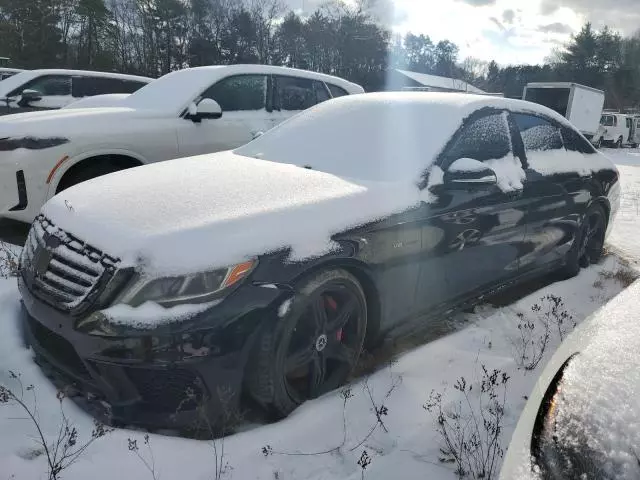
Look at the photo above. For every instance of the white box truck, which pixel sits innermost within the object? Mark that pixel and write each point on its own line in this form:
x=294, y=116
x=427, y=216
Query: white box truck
x=579, y=104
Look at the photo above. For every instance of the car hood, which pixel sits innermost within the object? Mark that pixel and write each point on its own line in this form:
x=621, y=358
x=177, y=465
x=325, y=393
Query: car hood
x=65, y=123
x=209, y=211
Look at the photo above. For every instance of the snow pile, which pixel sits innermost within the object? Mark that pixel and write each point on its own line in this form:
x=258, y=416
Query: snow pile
x=597, y=419
x=624, y=234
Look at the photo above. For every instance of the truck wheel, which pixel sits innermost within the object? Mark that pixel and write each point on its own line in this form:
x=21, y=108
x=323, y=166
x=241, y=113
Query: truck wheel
x=619, y=143
x=598, y=143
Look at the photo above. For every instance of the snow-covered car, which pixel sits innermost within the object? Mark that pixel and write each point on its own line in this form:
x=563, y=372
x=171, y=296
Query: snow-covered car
x=184, y=113
x=582, y=418
x=265, y=269
x=50, y=89
x=106, y=100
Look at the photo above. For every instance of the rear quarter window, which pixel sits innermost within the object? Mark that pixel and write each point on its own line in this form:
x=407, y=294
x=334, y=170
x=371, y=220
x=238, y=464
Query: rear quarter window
x=574, y=142
x=336, y=91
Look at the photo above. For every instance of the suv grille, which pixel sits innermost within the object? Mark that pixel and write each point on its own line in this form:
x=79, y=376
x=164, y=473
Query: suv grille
x=62, y=270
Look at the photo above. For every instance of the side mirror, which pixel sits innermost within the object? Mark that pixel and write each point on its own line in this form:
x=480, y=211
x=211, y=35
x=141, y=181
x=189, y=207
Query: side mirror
x=29, y=96
x=206, y=109
x=467, y=173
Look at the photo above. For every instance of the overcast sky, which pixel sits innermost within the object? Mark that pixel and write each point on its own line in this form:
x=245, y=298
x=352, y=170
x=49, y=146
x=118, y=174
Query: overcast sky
x=508, y=31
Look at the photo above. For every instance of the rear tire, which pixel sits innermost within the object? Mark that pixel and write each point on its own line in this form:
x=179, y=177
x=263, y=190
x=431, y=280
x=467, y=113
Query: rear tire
x=303, y=356
x=589, y=243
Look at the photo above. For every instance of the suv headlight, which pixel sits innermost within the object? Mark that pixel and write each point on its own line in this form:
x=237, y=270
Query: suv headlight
x=196, y=288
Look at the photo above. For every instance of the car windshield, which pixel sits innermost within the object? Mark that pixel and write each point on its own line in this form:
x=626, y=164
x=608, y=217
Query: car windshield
x=174, y=91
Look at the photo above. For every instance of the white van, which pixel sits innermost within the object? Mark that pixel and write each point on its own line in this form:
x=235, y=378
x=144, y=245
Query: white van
x=618, y=130
x=185, y=113
x=52, y=89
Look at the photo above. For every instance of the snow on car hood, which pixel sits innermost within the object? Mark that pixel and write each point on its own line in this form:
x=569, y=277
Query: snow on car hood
x=209, y=211
x=65, y=123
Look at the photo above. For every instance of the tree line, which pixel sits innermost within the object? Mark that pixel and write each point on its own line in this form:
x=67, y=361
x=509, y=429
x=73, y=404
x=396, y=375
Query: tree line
x=153, y=37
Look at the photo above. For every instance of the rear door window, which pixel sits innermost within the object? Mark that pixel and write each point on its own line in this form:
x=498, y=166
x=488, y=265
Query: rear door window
x=537, y=133
x=295, y=94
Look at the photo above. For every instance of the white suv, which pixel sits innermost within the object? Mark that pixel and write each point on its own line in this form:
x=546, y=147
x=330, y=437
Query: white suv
x=52, y=89
x=185, y=113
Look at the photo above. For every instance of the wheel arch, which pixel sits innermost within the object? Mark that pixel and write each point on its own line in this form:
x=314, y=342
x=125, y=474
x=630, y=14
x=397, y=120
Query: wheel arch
x=69, y=165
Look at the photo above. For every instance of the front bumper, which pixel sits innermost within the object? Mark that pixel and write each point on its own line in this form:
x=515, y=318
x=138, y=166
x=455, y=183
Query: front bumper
x=134, y=390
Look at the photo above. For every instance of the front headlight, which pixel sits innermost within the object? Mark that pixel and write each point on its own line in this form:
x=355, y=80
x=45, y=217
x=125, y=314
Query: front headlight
x=196, y=288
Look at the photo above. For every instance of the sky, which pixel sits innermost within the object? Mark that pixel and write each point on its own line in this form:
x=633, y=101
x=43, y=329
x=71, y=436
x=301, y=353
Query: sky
x=508, y=31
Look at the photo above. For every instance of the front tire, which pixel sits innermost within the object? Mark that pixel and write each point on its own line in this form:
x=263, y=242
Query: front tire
x=314, y=346
x=619, y=143
x=588, y=245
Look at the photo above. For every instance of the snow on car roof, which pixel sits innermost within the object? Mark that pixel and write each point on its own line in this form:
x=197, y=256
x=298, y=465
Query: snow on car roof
x=23, y=77
x=378, y=136
x=174, y=91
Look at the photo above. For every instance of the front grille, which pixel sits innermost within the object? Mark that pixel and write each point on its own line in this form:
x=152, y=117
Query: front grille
x=62, y=270
x=168, y=391
x=58, y=348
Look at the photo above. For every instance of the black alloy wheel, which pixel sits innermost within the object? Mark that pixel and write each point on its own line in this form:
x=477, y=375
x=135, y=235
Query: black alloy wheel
x=589, y=242
x=592, y=238
x=315, y=345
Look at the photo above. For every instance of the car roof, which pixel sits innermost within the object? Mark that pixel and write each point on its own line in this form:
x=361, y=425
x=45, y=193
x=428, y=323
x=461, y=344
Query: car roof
x=173, y=92
x=58, y=71
x=241, y=68
x=413, y=127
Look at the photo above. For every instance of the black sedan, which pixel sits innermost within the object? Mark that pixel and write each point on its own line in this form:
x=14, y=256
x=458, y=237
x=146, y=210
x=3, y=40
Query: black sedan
x=264, y=271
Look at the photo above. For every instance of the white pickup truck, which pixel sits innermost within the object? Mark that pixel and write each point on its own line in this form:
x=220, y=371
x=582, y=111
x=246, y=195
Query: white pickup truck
x=185, y=113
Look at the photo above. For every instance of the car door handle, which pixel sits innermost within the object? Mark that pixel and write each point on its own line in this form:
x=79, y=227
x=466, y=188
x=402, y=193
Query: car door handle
x=256, y=134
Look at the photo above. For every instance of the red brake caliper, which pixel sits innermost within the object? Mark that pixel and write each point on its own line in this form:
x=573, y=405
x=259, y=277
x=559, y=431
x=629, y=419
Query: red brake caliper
x=333, y=306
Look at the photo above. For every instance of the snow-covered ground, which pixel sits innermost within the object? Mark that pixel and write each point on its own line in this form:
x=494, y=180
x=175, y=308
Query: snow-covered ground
x=408, y=449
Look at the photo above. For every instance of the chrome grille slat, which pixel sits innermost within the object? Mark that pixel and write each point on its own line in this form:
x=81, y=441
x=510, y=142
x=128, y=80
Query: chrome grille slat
x=68, y=273
x=61, y=284
x=61, y=269
x=73, y=263
x=65, y=297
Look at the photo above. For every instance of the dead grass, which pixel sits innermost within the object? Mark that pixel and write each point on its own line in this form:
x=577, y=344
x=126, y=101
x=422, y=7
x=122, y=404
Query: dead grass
x=625, y=275
x=8, y=261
